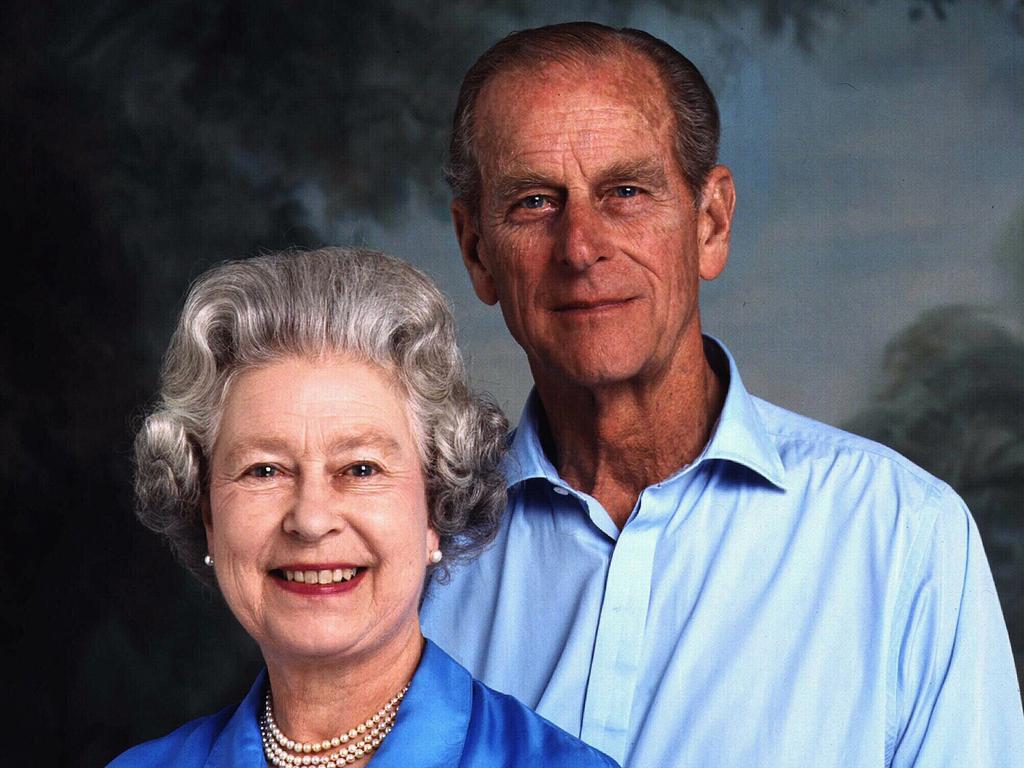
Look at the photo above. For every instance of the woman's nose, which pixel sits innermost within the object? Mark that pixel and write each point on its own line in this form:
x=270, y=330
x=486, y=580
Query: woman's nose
x=314, y=511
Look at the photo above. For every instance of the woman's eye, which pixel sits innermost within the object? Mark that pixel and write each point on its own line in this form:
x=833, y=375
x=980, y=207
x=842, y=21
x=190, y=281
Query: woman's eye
x=361, y=469
x=263, y=471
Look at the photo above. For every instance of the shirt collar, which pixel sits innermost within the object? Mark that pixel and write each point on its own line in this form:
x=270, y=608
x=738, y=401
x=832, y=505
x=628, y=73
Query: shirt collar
x=433, y=719
x=526, y=458
x=739, y=436
x=239, y=744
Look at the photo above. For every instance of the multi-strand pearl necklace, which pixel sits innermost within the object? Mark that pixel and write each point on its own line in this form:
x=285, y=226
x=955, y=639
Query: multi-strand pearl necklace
x=359, y=742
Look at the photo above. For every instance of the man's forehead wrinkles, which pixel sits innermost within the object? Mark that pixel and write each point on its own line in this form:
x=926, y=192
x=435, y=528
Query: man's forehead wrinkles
x=554, y=165
x=576, y=120
x=595, y=136
x=592, y=129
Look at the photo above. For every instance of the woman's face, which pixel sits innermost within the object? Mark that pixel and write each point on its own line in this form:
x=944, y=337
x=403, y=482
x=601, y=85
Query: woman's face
x=317, y=515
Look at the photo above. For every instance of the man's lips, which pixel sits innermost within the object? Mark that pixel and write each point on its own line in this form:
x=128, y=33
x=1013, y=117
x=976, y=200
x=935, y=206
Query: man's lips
x=591, y=305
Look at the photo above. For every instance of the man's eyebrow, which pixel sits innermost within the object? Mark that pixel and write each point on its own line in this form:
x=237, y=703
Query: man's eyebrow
x=512, y=182
x=647, y=173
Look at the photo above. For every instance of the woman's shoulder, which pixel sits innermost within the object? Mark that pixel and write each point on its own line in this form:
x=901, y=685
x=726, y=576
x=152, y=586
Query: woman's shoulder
x=523, y=737
x=184, y=747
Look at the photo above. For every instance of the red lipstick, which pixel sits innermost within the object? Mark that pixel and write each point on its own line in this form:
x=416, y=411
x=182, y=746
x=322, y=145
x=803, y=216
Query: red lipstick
x=318, y=579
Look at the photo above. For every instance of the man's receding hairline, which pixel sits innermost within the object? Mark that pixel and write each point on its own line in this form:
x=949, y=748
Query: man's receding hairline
x=573, y=59
x=570, y=60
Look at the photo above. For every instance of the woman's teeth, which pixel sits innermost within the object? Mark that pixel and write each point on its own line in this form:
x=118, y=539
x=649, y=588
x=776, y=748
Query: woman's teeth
x=325, y=576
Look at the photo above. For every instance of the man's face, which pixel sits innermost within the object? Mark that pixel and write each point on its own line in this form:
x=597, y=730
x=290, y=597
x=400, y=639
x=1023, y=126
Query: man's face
x=587, y=234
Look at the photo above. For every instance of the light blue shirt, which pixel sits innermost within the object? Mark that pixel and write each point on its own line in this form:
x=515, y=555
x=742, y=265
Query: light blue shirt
x=797, y=596
x=446, y=720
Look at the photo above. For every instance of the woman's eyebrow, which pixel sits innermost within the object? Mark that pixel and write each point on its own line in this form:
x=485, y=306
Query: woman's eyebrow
x=238, y=449
x=369, y=437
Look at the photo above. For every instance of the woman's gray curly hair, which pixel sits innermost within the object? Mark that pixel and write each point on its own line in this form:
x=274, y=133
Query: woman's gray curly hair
x=363, y=303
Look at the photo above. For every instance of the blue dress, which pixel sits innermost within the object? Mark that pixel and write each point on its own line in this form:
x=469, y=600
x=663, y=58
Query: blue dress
x=447, y=720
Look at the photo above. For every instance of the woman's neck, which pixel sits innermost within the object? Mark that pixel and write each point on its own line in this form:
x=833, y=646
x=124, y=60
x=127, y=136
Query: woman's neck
x=317, y=699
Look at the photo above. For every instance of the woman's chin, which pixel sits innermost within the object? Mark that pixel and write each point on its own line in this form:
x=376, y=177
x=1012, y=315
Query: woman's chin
x=315, y=642
x=322, y=629
x=317, y=626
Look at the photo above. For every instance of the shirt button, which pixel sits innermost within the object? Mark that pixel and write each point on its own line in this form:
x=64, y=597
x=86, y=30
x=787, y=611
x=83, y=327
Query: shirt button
x=559, y=490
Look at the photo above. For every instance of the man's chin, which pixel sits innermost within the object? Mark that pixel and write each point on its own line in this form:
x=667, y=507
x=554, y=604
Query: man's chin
x=595, y=371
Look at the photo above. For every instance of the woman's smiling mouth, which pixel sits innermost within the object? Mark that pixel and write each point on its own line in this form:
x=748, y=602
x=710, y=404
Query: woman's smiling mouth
x=315, y=579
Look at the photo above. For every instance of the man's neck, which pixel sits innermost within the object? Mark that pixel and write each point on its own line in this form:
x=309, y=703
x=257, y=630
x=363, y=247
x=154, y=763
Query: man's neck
x=613, y=441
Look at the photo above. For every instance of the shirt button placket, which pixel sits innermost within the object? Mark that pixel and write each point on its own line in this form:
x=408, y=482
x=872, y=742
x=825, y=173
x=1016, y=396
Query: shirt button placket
x=615, y=668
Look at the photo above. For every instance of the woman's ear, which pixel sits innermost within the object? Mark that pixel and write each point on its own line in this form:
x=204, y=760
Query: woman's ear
x=204, y=508
x=433, y=543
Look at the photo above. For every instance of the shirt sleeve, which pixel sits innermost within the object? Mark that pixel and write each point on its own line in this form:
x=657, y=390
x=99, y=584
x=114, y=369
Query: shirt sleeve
x=955, y=697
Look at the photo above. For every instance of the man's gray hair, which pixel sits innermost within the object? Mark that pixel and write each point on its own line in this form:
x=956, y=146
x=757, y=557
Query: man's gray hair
x=690, y=99
x=375, y=308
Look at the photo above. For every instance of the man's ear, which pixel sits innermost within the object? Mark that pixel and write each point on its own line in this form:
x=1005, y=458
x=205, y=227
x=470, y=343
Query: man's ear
x=714, y=221
x=467, y=231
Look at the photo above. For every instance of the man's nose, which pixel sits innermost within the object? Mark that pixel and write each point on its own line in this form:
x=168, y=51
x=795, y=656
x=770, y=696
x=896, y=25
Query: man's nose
x=315, y=511
x=582, y=239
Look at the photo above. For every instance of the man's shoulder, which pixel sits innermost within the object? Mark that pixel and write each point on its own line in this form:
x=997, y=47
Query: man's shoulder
x=802, y=439
x=523, y=737
x=816, y=454
x=188, y=745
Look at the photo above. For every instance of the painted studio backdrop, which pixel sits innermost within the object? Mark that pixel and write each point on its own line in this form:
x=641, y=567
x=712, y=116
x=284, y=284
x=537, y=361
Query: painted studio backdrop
x=876, y=278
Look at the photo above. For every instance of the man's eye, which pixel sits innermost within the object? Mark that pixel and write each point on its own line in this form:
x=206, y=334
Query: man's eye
x=533, y=202
x=263, y=471
x=626, y=191
x=361, y=469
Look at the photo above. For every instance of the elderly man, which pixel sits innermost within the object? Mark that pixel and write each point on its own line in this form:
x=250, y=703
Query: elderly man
x=688, y=575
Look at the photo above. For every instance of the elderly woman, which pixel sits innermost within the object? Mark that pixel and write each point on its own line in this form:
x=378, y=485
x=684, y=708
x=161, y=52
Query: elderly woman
x=317, y=453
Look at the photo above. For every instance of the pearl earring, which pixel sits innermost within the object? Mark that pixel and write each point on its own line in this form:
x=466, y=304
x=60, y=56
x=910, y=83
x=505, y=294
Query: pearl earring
x=208, y=560
x=436, y=556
